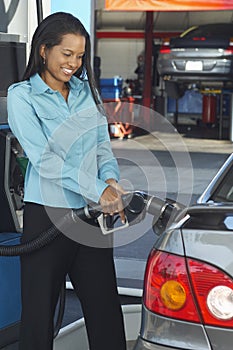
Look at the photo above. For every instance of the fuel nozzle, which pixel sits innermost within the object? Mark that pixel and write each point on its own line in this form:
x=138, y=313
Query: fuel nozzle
x=136, y=204
x=168, y=213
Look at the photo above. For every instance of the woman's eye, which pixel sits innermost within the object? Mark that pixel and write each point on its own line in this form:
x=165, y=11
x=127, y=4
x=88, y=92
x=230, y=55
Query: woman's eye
x=67, y=54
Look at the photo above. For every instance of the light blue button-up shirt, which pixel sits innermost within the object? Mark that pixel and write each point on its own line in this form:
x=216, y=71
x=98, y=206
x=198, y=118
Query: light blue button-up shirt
x=67, y=143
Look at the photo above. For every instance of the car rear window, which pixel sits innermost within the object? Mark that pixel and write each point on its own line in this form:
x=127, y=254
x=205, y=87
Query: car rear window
x=224, y=192
x=211, y=31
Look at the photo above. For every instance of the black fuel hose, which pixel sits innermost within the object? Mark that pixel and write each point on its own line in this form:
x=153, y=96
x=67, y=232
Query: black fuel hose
x=39, y=242
x=136, y=205
x=46, y=237
x=25, y=248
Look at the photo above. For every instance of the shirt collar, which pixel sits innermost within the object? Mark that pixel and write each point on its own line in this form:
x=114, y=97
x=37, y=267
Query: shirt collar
x=39, y=86
x=76, y=83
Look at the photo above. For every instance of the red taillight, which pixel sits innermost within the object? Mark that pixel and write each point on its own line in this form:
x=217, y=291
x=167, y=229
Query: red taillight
x=202, y=38
x=165, y=49
x=188, y=290
x=210, y=286
x=229, y=51
x=167, y=289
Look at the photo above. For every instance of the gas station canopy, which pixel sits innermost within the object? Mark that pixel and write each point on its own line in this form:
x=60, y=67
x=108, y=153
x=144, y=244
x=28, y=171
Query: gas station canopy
x=168, y=5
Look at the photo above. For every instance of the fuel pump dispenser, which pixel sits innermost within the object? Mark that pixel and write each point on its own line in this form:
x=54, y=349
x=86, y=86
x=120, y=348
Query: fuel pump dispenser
x=13, y=60
x=10, y=233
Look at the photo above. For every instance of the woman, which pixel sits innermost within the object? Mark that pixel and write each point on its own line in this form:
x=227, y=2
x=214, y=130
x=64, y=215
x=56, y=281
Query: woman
x=56, y=115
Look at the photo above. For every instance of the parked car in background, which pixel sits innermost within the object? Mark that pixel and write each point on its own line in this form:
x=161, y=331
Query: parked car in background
x=188, y=284
x=200, y=56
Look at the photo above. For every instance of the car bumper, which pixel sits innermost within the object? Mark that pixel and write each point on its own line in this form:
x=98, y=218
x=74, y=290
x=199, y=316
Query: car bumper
x=219, y=69
x=142, y=344
x=159, y=332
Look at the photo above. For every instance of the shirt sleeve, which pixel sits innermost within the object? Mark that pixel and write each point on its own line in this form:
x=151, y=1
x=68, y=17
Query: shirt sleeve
x=107, y=163
x=26, y=127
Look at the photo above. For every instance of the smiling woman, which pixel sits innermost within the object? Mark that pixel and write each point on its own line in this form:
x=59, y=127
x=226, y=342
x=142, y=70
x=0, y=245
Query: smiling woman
x=58, y=118
x=62, y=61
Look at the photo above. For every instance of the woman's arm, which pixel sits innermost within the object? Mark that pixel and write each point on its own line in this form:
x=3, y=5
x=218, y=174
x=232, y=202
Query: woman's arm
x=109, y=171
x=107, y=163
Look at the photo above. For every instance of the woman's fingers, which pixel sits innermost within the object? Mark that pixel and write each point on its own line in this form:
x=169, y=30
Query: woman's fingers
x=122, y=216
x=111, y=202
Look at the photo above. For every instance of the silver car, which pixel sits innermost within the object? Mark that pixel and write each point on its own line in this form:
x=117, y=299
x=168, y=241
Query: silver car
x=188, y=284
x=202, y=55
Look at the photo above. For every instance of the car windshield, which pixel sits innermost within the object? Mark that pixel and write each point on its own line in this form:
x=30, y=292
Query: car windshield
x=211, y=31
x=224, y=192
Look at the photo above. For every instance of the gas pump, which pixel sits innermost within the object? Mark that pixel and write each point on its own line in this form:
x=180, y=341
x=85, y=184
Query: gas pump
x=13, y=61
x=10, y=232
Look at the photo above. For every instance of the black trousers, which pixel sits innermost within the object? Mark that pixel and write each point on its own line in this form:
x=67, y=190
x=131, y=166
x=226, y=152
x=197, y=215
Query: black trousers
x=92, y=273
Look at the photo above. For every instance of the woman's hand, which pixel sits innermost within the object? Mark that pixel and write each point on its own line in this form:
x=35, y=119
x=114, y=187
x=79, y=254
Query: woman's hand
x=111, y=201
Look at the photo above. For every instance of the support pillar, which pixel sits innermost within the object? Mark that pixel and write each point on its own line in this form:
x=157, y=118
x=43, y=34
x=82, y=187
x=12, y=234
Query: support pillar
x=147, y=88
x=231, y=119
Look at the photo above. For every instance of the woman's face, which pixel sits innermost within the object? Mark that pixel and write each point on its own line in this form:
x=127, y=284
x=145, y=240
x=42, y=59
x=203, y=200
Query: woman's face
x=63, y=60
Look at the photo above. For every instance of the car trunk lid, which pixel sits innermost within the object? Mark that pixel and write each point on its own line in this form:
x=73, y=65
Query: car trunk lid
x=199, y=42
x=207, y=235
